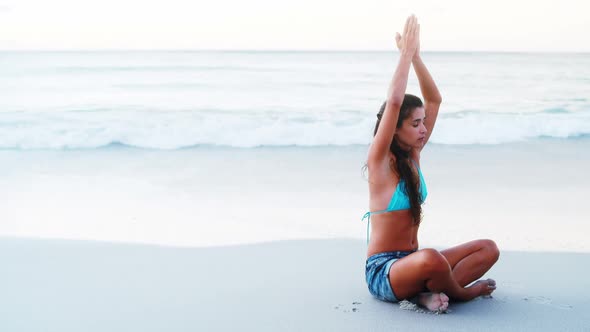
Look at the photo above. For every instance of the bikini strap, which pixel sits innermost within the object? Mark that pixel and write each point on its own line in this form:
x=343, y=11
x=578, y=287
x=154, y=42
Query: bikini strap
x=368, y=217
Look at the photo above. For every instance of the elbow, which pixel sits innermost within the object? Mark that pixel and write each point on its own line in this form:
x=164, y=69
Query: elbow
x=433, y=101
x=439, y=100
x=436, y=100
x=395, y=102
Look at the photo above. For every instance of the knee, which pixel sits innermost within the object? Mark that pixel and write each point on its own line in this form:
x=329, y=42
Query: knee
x=433, y=261
x=493, y=253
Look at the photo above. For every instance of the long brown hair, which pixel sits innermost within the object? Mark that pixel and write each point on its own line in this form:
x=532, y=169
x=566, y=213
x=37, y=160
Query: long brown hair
x=403, y=164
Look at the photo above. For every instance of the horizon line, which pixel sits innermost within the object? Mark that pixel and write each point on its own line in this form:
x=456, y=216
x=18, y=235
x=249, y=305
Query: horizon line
x=282, y=50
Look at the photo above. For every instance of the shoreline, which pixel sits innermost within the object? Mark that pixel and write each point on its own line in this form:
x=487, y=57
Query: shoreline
x=571, y=142
x=515, y=195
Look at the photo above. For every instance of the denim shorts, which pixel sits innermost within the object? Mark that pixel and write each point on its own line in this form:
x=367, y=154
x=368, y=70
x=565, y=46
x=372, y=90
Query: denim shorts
x=377, y=274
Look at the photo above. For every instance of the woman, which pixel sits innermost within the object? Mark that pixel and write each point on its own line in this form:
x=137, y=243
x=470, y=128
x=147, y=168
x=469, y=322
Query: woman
x=395, y=268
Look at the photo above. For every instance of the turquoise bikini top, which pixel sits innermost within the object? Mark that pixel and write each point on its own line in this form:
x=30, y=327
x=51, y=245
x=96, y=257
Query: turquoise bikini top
x=400, y=200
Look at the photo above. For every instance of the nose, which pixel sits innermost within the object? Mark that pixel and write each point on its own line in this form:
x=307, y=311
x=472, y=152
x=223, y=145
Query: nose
x=423, y=129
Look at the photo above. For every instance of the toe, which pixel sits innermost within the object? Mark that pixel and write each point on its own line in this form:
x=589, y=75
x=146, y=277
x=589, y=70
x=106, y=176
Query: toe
x=435, y=305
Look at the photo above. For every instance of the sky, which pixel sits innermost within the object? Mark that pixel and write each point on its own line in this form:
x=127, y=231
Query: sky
x=452, y=25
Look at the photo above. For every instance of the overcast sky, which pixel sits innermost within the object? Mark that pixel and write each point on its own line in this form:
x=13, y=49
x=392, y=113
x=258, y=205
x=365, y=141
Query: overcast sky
x=451, y=25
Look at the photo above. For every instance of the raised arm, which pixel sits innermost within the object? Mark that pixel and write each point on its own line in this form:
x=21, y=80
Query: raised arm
x=432, y=98
x=395, y=96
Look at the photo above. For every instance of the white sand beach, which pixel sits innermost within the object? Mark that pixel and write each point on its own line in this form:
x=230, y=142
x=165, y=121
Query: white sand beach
x=219, y=239
x=313, y=285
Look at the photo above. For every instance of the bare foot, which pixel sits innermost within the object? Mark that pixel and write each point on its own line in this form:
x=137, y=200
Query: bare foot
x=484, y=287
x=434, y=301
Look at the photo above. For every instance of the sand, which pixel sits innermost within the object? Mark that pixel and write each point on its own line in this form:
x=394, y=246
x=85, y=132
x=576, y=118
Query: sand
x=216, y=239
x=304, y=285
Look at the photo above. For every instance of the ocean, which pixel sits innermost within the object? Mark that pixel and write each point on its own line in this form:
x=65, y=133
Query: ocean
x=208, y=148
x=179, y=99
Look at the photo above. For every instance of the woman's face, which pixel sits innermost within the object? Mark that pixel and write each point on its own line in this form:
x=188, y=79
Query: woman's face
x=413, y=131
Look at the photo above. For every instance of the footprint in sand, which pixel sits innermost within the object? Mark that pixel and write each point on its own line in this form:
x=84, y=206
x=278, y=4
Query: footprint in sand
x=344, y=308
x=547, y=301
